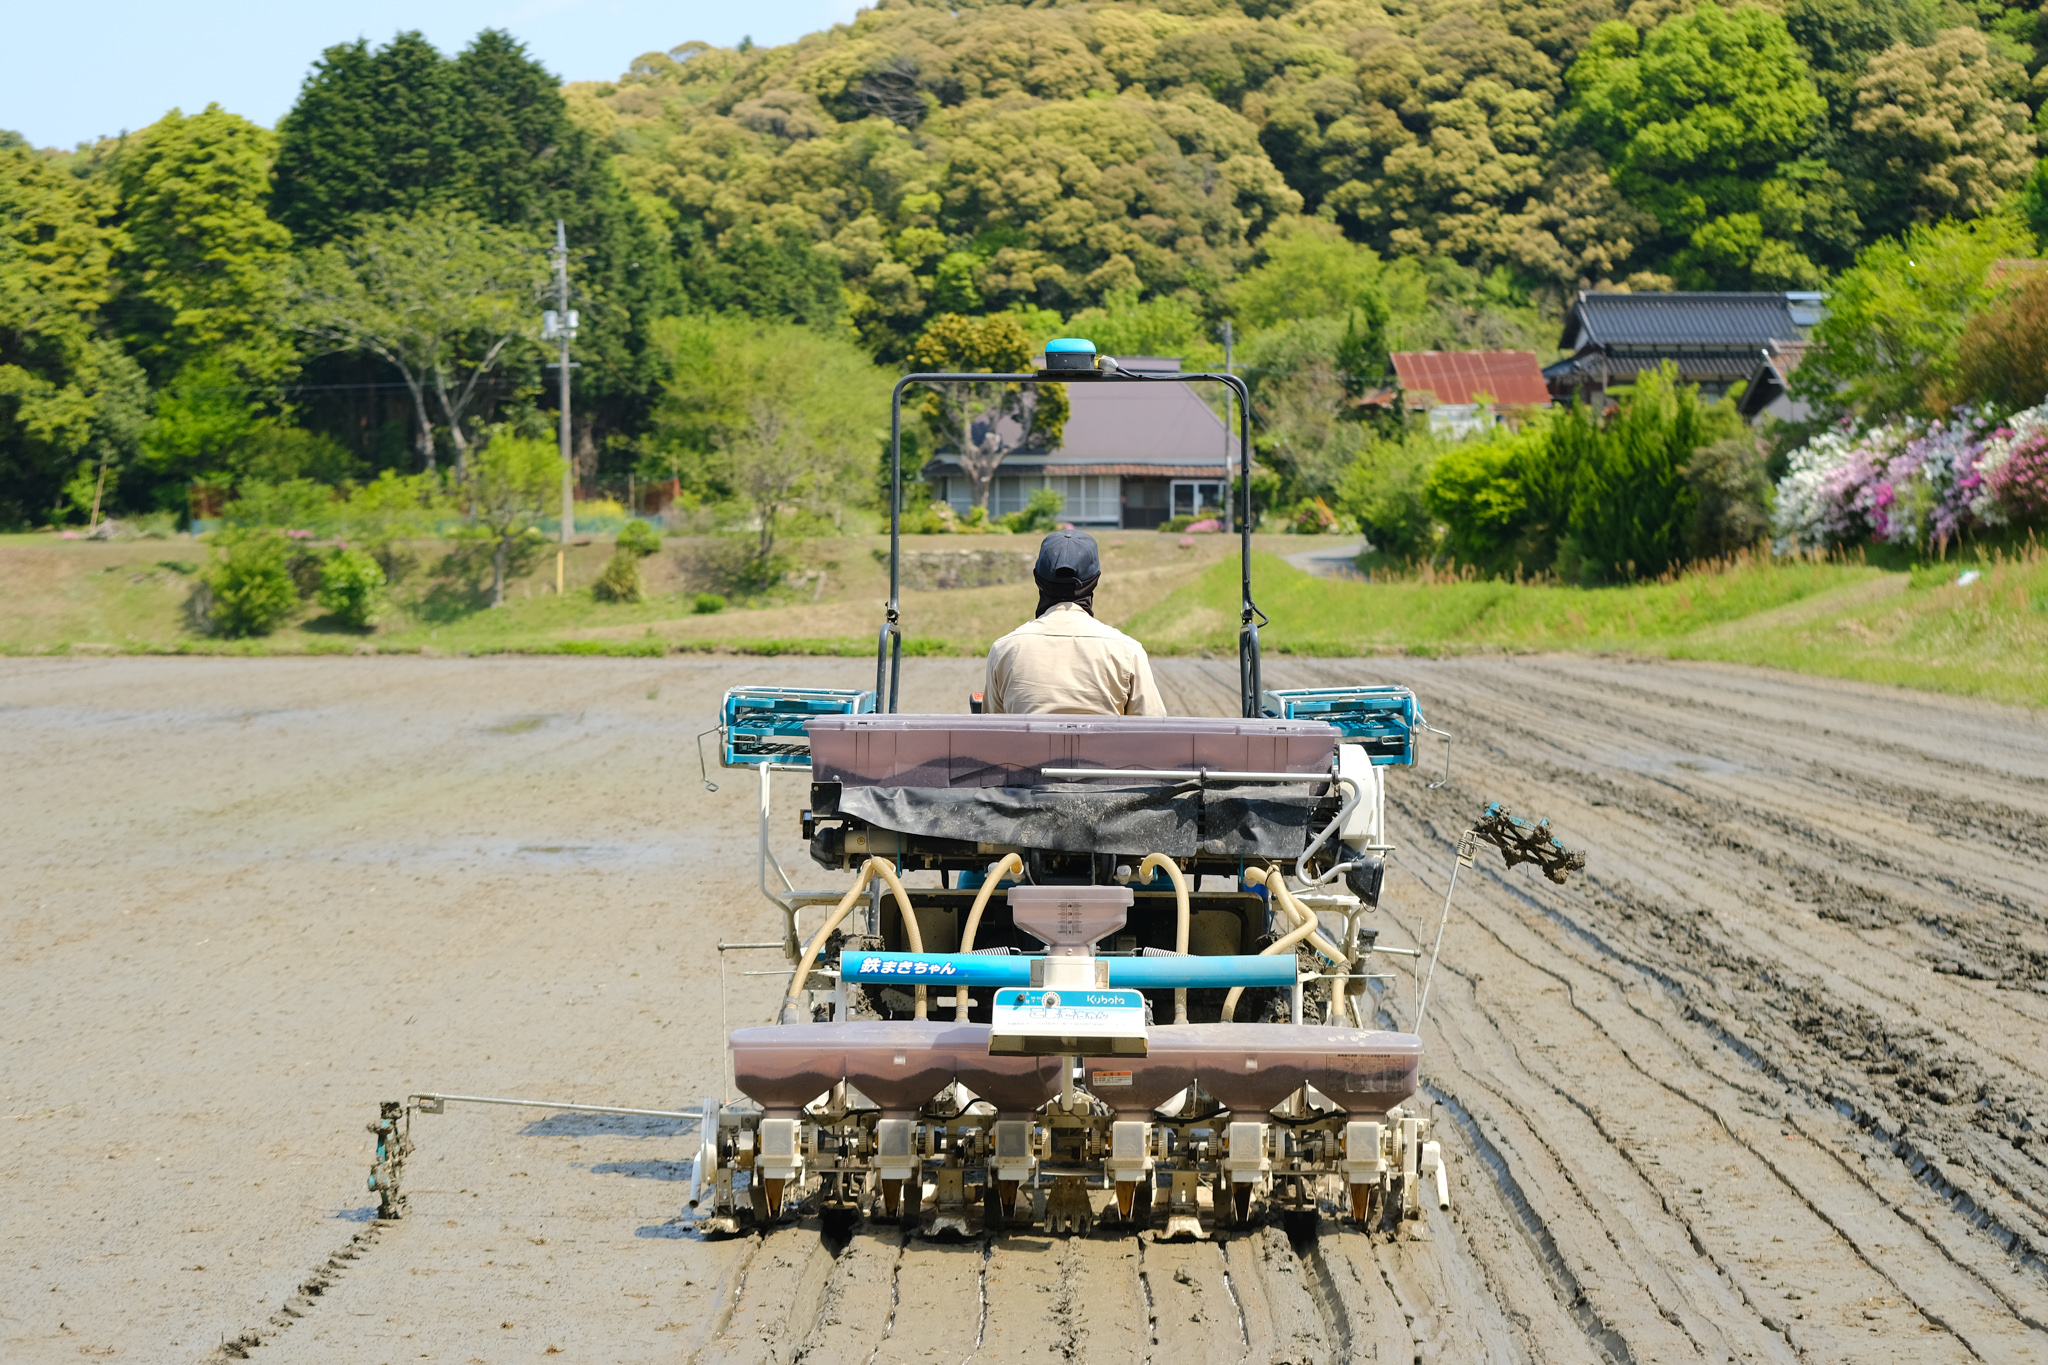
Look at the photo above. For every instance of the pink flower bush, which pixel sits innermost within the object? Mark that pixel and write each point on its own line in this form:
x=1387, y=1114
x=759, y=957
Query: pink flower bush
x=1913, y=483
x=2019, y=484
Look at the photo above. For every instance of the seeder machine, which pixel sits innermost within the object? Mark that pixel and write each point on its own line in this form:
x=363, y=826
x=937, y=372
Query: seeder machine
x=1136, y=959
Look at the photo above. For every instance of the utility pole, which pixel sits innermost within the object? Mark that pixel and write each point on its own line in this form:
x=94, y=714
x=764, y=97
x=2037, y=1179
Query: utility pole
x=1228, y=368
x=559, y=324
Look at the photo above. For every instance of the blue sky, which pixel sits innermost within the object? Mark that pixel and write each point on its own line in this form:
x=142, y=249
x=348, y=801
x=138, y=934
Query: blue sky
x=70, y=75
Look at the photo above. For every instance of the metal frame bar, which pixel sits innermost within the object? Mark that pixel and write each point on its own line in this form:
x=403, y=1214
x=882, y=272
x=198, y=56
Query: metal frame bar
x=889, y=644
x=434, y=1104
x=1184, y=774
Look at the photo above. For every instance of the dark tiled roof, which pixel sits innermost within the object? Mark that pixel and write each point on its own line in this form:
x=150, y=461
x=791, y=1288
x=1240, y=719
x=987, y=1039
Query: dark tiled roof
x=1734, y=321
x=1510, y=378
x=1770, y=381
x=1696, y=365
x=1060, y=465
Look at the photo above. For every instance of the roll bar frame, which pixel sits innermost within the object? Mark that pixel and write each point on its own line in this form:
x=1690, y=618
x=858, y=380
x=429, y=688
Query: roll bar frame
x=889, y=644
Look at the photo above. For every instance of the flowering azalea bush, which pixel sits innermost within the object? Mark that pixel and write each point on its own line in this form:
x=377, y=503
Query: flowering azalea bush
x=1916, y=483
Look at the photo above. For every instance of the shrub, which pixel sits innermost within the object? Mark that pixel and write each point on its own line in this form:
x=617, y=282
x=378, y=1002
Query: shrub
x=1908, y=482
x=1477, y=490
x=1382, y=491
x=1631, y=507
x=1042, y=513
x=1731, y=497
x=640, y=538
x=620, y=581
x=351, y=588
x=1311, y=517
x=2003, y=356
x=252, y=591
x=2019, y=484
x=708, y=604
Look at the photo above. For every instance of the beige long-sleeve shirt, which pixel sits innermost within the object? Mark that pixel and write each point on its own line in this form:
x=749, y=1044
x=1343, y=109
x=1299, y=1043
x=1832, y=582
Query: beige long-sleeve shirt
x=1067, y=662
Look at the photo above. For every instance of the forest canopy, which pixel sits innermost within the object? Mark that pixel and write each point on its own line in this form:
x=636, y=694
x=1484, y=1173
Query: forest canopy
x=1335, y=179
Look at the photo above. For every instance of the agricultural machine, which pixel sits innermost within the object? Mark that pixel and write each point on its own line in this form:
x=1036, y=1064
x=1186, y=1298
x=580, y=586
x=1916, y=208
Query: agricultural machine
x=1134, y=981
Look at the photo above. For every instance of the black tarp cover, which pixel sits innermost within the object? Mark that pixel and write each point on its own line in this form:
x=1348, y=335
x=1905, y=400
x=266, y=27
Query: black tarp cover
x=1238, y=820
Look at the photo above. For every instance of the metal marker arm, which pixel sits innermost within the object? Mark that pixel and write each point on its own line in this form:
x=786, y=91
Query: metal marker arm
x=436, y=1104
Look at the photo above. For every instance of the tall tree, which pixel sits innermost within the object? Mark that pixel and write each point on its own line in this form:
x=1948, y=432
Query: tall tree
x=70, y=399
x=373, y=132
x=440, y=296
x=201, y=260
x=983, y=424
x=401, y=129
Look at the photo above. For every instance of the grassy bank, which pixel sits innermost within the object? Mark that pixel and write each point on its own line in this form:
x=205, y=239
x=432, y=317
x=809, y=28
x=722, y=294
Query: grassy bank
x=1919, y=628
x=1916, y=627
x=136, y=596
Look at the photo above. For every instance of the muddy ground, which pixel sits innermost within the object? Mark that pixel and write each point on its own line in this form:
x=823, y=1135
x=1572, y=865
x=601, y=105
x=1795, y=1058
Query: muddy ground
x=1769, y=1083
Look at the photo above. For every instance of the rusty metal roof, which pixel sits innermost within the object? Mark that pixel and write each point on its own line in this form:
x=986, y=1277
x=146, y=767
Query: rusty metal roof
x=1506, y=378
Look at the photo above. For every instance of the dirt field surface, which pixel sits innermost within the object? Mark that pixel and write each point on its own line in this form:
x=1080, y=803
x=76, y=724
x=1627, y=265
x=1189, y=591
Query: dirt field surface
x=1769, y=1083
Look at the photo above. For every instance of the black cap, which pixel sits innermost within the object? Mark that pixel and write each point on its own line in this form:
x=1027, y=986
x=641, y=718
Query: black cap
x=1067, y=559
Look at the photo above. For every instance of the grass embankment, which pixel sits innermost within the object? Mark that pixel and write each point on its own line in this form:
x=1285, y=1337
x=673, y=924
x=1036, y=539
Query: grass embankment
x=135, y=596
x=1914, y=628
x=1843, y=619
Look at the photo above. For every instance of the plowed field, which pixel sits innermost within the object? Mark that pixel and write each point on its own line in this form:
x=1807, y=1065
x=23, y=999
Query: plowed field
x=1769, y=1083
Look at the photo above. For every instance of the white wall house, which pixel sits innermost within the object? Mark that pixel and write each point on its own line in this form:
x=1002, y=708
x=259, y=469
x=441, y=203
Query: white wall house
x=1132, y=455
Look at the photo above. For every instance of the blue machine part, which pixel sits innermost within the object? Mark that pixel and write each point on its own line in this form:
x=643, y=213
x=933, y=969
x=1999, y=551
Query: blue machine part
x=766, y=724
x=1008, y=969
x=1381, y=720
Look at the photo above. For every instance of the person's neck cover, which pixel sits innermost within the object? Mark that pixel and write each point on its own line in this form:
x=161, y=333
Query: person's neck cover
x=1067, y=570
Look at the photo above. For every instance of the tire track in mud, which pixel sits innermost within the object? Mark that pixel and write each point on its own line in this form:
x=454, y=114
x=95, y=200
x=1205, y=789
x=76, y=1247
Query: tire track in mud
x=1726, y=1262
x=1735, y=992
x=298, y=1305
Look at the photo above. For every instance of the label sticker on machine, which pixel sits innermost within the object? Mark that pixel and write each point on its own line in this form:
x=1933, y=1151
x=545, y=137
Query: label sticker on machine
x=1098, y=1079
x=1088, y=1021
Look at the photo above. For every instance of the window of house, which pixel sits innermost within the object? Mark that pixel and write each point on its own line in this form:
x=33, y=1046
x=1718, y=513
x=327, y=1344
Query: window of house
x=1091, y=498
x=1192, y=497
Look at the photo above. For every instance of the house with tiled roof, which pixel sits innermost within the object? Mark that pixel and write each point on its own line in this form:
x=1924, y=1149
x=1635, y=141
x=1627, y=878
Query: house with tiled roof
x=1715, y=339
x=1131, y=456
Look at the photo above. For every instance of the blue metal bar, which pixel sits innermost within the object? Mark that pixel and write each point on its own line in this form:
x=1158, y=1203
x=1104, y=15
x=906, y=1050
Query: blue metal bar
x=996, y=969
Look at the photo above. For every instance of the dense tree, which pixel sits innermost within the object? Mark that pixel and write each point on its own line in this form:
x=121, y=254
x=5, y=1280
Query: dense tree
x=1703, y=121
x=70, y=399
x=372, y=132
x=201, y=260
x=1947, y=136
x=1895, y=320
x=402, y=130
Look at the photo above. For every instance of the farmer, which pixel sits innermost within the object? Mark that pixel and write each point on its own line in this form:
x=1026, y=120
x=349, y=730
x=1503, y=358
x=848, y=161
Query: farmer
x=1065, y=662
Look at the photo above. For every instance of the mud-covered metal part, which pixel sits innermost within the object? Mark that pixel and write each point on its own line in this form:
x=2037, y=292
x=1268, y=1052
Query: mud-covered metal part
x=387, y=1170
x=1525, y=841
